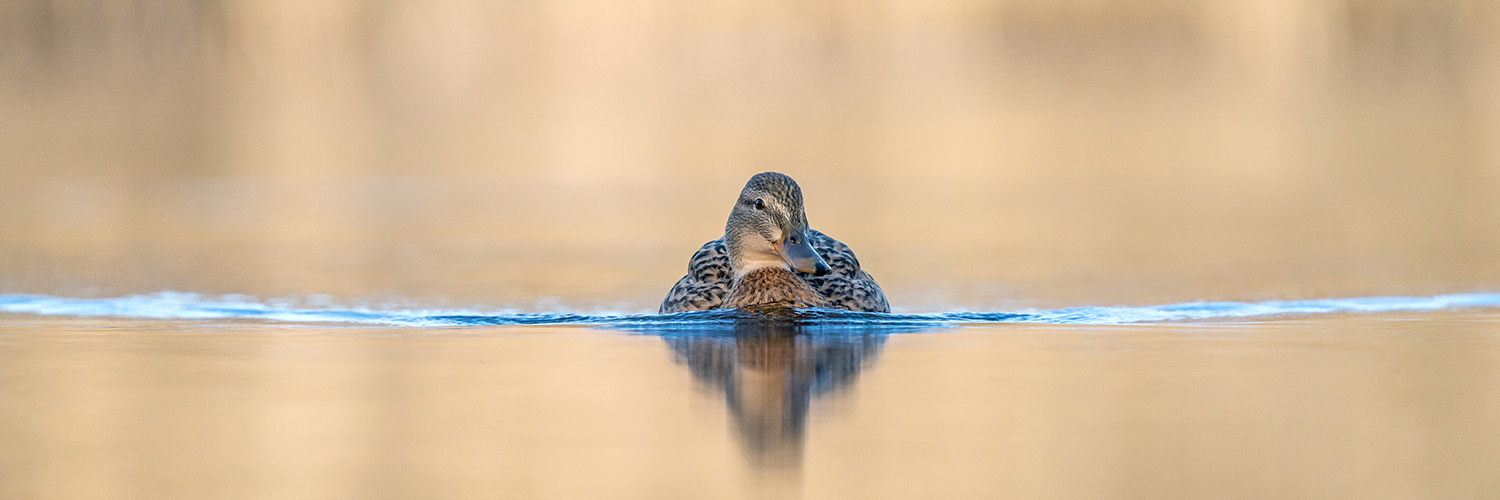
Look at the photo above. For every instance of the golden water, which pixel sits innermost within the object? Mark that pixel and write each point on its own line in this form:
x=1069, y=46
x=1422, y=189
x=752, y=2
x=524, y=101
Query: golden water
x=1367, y=407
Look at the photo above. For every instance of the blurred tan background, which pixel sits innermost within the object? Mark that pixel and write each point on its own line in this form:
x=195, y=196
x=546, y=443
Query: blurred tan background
x=571, y=154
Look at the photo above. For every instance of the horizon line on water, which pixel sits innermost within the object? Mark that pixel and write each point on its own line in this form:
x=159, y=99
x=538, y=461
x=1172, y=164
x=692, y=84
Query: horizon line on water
x=190, y=306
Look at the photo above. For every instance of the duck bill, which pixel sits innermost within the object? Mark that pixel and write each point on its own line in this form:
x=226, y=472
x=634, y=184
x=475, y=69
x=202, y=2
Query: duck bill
x=802, y=257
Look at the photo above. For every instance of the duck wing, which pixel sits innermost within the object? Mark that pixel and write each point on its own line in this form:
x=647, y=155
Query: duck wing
x=846, y=286
x=706, y=283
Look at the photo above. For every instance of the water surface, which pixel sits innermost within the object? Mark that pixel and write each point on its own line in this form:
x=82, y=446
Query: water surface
x=176, y=305
x=1374, y=406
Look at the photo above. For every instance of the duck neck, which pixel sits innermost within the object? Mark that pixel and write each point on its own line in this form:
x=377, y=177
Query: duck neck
x=749, y=253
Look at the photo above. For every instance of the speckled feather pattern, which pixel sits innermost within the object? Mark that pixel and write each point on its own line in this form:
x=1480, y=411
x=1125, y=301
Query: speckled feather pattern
x=706, y=283
x=710, y=279
x=770, y=286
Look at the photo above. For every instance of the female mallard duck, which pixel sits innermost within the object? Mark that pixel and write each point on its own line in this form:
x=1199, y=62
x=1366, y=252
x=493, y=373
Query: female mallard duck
x=768, y=258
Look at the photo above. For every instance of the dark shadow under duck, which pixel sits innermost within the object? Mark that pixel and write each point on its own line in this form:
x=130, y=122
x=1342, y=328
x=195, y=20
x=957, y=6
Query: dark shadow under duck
x=770, y=373
x=770, y=259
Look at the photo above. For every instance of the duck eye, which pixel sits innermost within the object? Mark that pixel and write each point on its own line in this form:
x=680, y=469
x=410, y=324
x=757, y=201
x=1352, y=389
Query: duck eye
x=760, y=205
x=792, y=240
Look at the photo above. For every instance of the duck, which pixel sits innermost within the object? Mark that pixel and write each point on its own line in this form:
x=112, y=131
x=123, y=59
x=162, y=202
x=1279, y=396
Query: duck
x=769, y=259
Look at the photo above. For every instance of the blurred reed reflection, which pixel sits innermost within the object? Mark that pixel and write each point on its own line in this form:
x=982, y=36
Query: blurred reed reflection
x=771, y=372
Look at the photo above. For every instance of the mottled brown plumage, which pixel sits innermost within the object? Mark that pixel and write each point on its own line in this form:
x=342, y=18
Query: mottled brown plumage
x=772, y=286
x=752, y=265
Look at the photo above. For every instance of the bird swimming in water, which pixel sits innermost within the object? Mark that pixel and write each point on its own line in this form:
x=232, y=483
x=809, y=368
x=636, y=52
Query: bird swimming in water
x=769, y=258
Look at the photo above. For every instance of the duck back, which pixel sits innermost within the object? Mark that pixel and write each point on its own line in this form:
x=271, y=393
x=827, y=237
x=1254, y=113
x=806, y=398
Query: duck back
x=709, y=279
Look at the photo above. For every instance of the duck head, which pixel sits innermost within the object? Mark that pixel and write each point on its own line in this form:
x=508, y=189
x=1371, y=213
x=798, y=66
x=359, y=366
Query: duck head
x=768, y=228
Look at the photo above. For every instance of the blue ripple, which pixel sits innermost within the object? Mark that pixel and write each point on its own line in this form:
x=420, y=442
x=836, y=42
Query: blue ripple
x=176, y=305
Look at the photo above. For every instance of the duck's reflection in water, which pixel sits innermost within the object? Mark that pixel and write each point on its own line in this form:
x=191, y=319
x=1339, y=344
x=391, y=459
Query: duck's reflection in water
x=770, y=372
